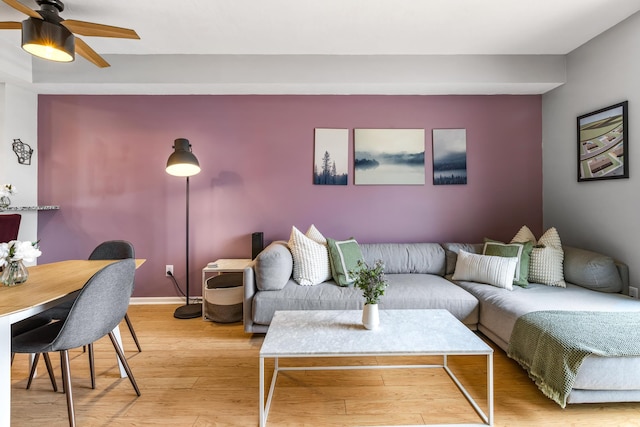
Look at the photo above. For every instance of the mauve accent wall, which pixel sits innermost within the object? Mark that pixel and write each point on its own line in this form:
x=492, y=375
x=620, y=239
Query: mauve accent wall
x=102, y=159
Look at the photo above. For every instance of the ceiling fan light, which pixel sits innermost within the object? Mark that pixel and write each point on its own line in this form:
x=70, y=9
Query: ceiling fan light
x=48, y=40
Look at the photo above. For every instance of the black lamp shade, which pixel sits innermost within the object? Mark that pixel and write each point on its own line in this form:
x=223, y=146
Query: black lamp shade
x=182, y=162
x=48, y=40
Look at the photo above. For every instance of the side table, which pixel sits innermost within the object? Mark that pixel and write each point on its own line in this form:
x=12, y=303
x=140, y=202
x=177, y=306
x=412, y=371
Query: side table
x=222, y=296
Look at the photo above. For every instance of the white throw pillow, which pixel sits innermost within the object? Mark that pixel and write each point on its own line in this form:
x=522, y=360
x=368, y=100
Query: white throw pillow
x=310, y=259
x=547, y=256
x=314, y=234
x=493, y=270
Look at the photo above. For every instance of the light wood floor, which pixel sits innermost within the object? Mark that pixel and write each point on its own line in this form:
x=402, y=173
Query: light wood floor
x=195, y=373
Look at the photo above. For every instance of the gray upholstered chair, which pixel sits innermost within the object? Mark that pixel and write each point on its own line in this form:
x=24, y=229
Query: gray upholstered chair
x=110, y=249
x=25, y=326
x=117, y=249
x=99, y=307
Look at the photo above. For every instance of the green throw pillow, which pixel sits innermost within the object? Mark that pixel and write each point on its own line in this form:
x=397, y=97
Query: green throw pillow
x=343, y=256
x=522, y=251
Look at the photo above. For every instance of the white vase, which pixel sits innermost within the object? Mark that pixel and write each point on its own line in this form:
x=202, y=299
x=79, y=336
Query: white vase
x=370, y=316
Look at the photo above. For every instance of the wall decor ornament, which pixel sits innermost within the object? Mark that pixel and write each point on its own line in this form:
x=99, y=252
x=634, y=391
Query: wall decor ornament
x=603, y=144
x=331, y=157
x=23, y=151
x=389, y=156
x=449, y=156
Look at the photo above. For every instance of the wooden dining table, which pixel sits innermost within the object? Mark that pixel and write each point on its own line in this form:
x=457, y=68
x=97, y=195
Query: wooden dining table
x=47, y=286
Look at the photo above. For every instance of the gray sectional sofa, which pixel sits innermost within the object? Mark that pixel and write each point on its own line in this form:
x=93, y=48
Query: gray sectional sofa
x=419, y=276
x=415, y=272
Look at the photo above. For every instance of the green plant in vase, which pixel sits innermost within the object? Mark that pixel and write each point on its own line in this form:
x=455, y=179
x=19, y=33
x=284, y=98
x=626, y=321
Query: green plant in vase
x=372, y=282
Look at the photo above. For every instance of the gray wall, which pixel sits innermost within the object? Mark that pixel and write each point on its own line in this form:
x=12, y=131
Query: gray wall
x=597, y=215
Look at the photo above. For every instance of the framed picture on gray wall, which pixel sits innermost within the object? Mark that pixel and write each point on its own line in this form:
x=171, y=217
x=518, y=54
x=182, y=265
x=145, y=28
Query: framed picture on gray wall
x=603, y=144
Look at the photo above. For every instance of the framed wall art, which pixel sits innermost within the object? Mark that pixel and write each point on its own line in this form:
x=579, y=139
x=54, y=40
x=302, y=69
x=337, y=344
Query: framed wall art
x=389, y=156
x=603, y=144
x=330, y=160
x=449, y=156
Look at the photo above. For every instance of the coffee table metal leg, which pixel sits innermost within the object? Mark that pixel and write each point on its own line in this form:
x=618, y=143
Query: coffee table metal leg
x=490, y=388
x=261, y=413
x=486, y=418
x=264, y=408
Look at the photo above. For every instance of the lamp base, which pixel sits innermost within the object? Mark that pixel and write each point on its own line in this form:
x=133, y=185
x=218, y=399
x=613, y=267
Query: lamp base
x=189, y=311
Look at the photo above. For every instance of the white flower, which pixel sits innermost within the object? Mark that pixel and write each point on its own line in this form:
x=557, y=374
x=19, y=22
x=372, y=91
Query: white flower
x=4, y=253
x=8, y=189
x=26, y=251
x=16, y=250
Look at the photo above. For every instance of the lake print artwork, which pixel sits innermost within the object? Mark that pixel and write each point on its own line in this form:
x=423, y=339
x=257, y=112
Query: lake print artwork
x=449, y=156
x=389, y=156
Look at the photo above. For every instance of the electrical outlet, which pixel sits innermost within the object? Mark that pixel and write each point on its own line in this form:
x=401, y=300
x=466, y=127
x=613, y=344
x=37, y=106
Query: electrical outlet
x=168, y=269
x=633, y=292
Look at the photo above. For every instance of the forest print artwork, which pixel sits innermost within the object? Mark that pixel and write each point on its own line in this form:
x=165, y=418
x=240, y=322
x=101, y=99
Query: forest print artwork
x=330, y=162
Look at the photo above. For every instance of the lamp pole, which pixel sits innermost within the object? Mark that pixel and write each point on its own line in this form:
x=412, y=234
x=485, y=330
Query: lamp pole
x=182, y=162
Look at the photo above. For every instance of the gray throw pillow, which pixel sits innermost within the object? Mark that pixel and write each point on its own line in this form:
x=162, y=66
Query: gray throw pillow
x=451, y=250
x=591, y=270
x=274, y=266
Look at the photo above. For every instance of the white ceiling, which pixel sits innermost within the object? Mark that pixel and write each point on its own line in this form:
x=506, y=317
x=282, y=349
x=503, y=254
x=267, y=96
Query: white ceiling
x=293, y=30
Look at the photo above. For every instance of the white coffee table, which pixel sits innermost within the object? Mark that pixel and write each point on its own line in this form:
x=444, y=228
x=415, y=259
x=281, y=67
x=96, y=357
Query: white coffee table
x=339, y=333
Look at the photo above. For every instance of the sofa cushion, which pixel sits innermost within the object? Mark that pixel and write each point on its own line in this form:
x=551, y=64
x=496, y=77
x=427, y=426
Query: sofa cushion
x=591, y=270
x=546, y=256
x=451, y=251
x=343, y=257
x=274, y=265
x=522, y=251
x=310, y=259
x=405, y=291
x=499, y=309
x=494, y=270
x=400, y=258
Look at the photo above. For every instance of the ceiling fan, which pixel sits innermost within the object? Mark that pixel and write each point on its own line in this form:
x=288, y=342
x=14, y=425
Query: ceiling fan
x=46, y=35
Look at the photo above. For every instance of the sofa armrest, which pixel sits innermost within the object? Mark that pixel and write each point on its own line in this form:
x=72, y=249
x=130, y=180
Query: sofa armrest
x=623, y=269
x=250, y=288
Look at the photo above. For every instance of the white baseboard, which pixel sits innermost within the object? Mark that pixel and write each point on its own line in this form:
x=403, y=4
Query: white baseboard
x=161, y=300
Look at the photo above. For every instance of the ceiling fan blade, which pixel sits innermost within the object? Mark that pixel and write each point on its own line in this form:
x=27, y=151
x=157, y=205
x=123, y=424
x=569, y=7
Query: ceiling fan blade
x=10, y=25
x=98, y=30
x=89, y=54
x=22, y=8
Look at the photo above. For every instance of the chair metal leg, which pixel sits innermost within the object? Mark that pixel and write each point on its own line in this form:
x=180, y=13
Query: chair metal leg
x=133, y=333
x=32, y=372
x=47, y=361
x=92, y=367
x=66, y=379
x=124, y=362
x=34, y=366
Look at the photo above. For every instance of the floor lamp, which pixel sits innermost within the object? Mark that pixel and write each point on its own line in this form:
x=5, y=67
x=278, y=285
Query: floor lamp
x=182, y=162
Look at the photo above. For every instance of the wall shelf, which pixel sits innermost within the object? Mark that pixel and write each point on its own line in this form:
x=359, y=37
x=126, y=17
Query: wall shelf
x=30, y=208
